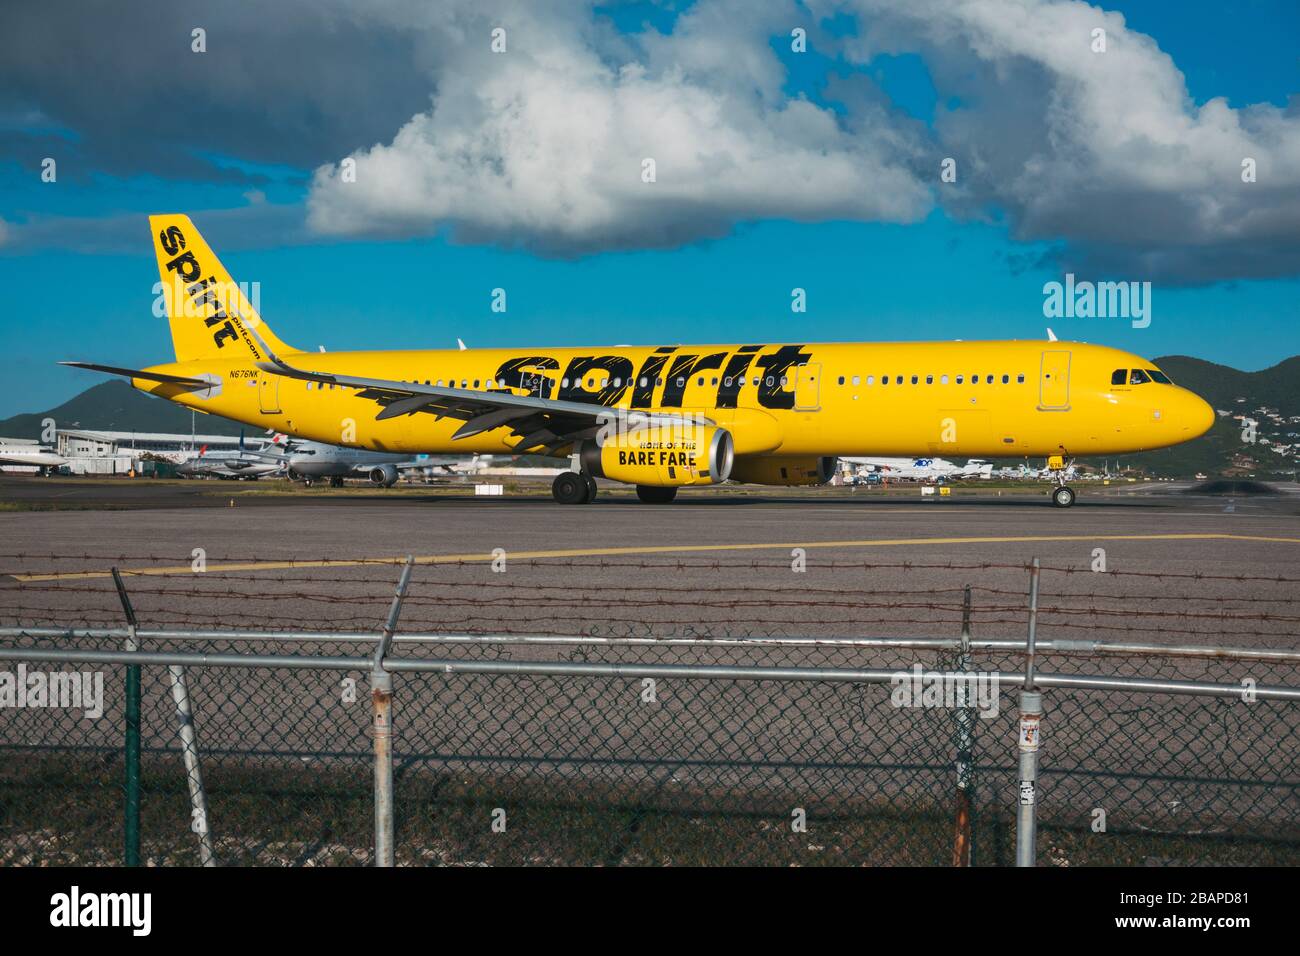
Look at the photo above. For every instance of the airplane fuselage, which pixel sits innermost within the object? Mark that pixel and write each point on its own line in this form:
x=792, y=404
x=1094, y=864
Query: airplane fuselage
x=978, y=399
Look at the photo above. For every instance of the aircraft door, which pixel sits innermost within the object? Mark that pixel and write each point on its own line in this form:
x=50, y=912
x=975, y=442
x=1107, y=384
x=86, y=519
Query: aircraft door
x=268, y=393
x=1054, y=381
x=806, y=384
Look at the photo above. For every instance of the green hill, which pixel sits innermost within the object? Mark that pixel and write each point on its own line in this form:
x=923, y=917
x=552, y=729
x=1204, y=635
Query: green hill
x=116, y=406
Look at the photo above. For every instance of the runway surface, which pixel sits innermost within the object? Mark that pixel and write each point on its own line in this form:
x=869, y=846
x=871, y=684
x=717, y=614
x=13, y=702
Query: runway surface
x=1124, y=564
x=1147, y=565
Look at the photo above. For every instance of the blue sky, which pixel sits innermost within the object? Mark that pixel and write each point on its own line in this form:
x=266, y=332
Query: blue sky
x=77, y=270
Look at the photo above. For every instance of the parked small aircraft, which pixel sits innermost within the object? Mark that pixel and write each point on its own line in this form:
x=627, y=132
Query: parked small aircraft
x=43, y=458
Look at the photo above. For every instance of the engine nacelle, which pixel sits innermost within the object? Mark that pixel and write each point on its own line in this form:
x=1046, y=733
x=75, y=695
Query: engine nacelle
x=385, y=475
x=666, y=457
x=783, y=470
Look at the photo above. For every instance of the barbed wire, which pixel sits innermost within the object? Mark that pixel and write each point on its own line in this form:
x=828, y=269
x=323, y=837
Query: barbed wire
x=183, y=563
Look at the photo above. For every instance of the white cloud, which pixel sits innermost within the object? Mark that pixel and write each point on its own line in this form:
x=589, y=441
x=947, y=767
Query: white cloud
x=543, y=145
x=1104, y=151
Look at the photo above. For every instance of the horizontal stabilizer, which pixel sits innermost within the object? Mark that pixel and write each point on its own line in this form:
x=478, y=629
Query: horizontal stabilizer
x=137, y=373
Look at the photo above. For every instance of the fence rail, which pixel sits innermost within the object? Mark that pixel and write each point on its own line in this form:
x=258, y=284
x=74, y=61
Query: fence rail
x=668, y=740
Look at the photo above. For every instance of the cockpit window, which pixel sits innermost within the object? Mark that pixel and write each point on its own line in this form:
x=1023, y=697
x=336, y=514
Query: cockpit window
x=1159, y=376
x=1138, y=377
x=1119, y=376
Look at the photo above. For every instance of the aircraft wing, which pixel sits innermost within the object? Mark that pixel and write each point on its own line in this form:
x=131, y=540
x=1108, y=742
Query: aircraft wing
x=542, y=423
x=447, y=463
x=263, y=454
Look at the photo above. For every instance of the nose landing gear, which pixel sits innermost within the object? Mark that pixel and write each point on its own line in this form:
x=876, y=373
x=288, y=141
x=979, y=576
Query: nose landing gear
x=1062, y=495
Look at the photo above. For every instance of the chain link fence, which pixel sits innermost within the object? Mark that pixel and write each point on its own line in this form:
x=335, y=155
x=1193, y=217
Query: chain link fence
x=644, y=733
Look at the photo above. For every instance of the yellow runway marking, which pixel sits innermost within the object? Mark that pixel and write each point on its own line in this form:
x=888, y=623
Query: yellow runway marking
x=627, y=551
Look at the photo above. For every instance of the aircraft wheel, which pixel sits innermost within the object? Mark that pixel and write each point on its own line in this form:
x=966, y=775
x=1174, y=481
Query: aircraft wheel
x=336, y=482
x=591, y=487
x=654, y=495
x=1063, y=496
x=569, y=488
x=308, y=482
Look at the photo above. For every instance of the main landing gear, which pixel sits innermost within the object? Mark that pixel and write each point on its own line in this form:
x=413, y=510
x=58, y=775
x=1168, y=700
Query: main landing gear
x=573, y=488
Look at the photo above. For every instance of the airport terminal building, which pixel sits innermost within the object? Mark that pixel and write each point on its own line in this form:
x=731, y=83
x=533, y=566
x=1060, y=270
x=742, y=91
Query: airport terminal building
x=93, y=452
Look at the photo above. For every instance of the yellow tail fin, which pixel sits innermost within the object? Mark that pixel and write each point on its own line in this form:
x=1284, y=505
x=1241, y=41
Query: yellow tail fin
x=209, y=314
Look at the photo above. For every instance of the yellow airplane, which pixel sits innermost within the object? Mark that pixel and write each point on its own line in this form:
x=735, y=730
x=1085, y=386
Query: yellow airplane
x=667, y=417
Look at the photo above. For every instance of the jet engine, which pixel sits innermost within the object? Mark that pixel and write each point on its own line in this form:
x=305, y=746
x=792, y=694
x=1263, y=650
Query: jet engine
x=385, y=475
x=665, y=457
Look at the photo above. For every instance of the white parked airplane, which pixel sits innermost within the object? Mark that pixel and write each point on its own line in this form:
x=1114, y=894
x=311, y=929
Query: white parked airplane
x=246, y=463
x=32, y=455
x=921, y=469
x=310, y=461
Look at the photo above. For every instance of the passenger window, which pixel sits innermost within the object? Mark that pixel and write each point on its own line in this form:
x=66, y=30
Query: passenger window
x=1119, y=376
x=960, y=379
x=913, y=379
x=681, y=382
x=701, y=380
x=1138, y=377
x=929, y=380
x=884, y=380
x=1006, y=379
x=841, y=379
x=591, y=382
x=727, y=381
x=871, y=380
x=643, y=381
x=943, y=380
x=898, y=380
x=1020, y=379
x=714, y=382
x=857, y=380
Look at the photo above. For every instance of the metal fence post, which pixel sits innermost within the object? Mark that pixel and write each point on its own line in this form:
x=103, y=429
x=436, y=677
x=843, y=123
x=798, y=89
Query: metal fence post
x=193, y=771
x=1031, y=711
x=131, y=747
x=381, y=705
x=965, y=716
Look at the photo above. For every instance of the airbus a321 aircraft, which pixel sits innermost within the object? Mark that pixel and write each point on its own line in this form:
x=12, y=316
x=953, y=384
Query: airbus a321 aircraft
x=667, y=417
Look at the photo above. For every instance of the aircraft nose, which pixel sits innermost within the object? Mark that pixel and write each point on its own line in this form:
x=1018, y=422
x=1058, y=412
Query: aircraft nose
x=1198, y=416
